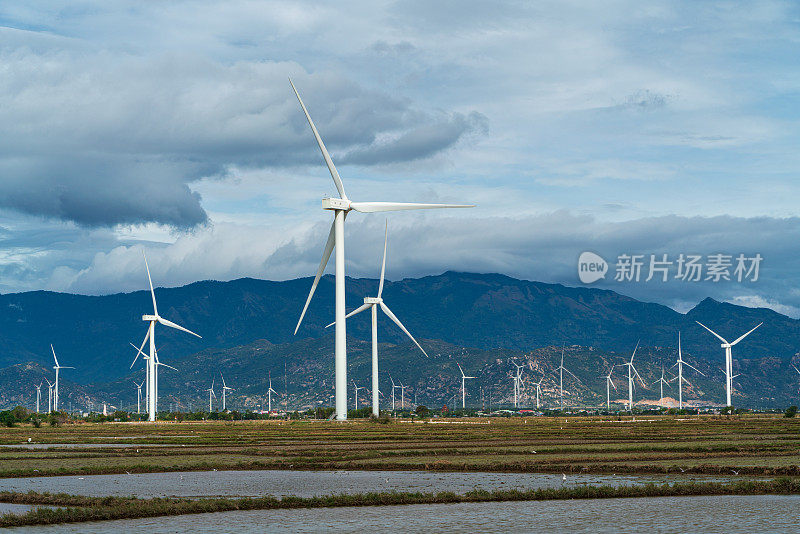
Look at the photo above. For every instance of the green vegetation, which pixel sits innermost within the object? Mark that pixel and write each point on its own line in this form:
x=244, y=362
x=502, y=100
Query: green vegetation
x=108, y=508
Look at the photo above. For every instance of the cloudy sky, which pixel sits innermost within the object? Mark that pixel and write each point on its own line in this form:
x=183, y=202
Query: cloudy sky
x=615, y=127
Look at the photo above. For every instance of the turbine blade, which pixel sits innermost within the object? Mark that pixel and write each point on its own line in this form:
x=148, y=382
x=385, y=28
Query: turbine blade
x=693, y=367
x=165, y=365
x=139, y=349
x=352, y=313
x=460, y=369
x=383, y=265
x=54, y=354
x=634, y=351
x=372, y=207
x=394, y=318
x=573, y=376
x=326, y=255
x=717, y=335
x=328, y=161
x=744, y=336
x=165, y=322
x=150, y=281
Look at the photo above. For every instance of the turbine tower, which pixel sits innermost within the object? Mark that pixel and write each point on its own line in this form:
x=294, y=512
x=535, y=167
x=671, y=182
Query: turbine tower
x=49, y=396
x=728, y=358
x=393, y=388
x=661, y=381
x=152, y=377
x=561, y=370
x=356, y=388
x=609, y=385
x=402, y=396
x=341, y=207
x=156, y=365
x=517, y=381
x=55, y=387
x=225, y=389
x=270, y=391
x=211, y=395
x=38, y=395
x=680, y=363
x=464, y=378
x=138, y=397
x=538, y=391
x=631, y=374
x=373, y=303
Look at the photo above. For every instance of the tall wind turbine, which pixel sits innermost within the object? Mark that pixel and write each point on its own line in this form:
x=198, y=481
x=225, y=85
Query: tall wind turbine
x=464, y=378
x=402, y=396
x=538, y=391
x=55, y=387
x=225, y=389
x=138, y=397
x=156, y=365
x=38, y=395
x=270, y=391
x=341, y=207
x=373, y=303
x=152, y=378
x=609, y=385
x=49, y=396
x=680, y=363
x=211, y=395
x=661, y=381
x=517, y=381
x=631, y=374
x=728, y=358
x=393, y=388
x=561, y=370
x=356, y=388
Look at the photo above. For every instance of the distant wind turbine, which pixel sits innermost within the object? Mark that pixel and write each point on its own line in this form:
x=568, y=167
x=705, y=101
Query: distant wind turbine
x=517, y=381
x=49, y=396
x=373, y=303
x=661, y=381
x=538, y=391
x=609, y=385
x=152, y=377
x=138, y=397
x=561, y=370
x=38, y=395
x=356, y=388
x=211, y=395
x=631, y=374
x=341, y=207
x=225, y=389
x=728, y=357
x=270, y=391
x=680, y=363
x=464, y=378
x=55, y=387
x=402, y=396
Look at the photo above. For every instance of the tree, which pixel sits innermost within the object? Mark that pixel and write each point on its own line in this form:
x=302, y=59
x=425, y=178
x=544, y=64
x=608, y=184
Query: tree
x=422, y=410
x=791, y=411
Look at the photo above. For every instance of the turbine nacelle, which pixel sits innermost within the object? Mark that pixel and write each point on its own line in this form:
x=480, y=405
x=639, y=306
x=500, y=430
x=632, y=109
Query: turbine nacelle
x=330, y=203
x=372, y=300
x=149, y=318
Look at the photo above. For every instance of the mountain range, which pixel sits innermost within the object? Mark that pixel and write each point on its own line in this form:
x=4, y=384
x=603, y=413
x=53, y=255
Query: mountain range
x=480, y=320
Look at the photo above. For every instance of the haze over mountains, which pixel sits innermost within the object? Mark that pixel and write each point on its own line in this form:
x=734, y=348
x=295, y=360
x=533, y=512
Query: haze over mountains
x=482, y=320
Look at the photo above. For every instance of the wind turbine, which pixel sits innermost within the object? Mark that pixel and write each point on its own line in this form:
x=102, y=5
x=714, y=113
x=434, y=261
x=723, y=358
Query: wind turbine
x=55, y=387
x=631, y=374
x=357, y=388
x=561, y=370
x=38, y=395
x=138, y=397
x=225, y=389
x=155, y=367
x=517, y=381
x=393, y=388
x=373, y=303
x=210, y=395
x=341, y=207
x=661, y=381
x=270, y=391
x=680, y=363
x=402, y=396
x=152, y=378
x=609, y=385
x=728, y=358
x=538, y=391
x=49, y=396
x=464, y=378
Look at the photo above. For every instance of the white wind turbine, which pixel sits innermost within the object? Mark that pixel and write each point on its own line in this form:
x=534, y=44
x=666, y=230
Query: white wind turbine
x=402, y=396
x=156, y=365
x=661, y=381
x=270, y=391
x=225, y=389
x=341, y=207
x=49, y=396
x=152, y=376
x=464, y=378
x=211, y=395
x=138, y=397
x=356, y=388
x=680, y=363
x=373, y=303
x=517, y=381
x=631, y=374
x=728, y=358
x=561, y=370
x=393, y=388
x=538, y=391
x=38, y=395
x=55, y=387
x=609, y=385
